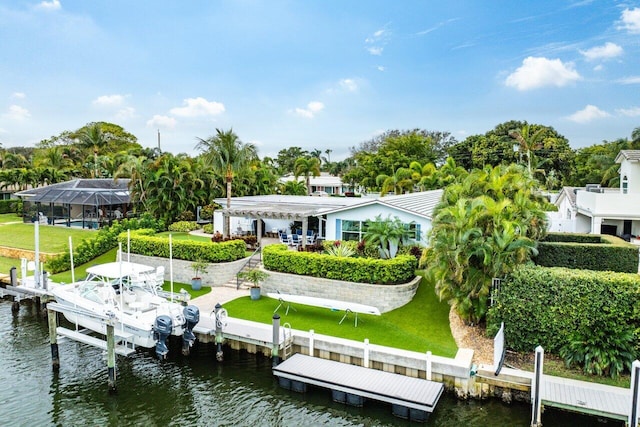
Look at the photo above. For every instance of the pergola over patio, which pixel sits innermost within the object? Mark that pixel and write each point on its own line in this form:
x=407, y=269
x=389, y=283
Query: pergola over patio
x=79, y=199
x=295, y=208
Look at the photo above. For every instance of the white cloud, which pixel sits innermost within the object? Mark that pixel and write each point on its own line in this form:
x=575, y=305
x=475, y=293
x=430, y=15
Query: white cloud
x=311, y=110
x=349, y=85
x=380, y=68
x=196, y=107
x=17, y=112
x=18, y=95
x=165, y=122
x=109, y=100
x=375, y=43
x=607, y=51
x=587, y=114
x=631, y=112
x=630, y=20
x=598, y=67
x=375, y=50
x=538, y=72
x=126, y=113
x=630, y=80
x=49, y=5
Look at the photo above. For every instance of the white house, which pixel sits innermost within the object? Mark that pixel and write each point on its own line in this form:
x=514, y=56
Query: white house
x=613, y=211
x=338, y=218
x=325, y=183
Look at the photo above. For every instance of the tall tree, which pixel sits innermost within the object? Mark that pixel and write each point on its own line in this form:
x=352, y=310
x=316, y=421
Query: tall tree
x=227, y=155
x=528, y=140
x=307, y=167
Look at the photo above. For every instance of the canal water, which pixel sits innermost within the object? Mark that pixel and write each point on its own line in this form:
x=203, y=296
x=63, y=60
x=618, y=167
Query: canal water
x=191, y=391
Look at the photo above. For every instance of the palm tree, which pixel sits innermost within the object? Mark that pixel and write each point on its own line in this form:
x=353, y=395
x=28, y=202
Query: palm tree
x=528, y=141
x=307, y=166
x=92, y=137
x=294, y=188
x=400, y=182
x=227, y=155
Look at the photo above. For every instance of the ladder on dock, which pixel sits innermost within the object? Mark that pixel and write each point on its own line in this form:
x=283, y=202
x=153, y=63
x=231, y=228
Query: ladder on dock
x=287, y=348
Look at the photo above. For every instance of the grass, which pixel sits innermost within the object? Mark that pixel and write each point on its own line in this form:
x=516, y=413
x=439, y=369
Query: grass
x=421, y=325
x=184, y=236
x=10, y=217
x=52, y=239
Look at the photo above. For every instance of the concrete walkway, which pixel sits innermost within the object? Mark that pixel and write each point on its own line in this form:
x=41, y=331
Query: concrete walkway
x=219, y=294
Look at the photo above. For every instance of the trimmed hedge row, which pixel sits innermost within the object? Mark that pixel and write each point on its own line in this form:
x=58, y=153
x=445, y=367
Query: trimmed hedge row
x=587, y=251
x=551, y=306
x=189, y=250
x=10, y=206
x=400, y=269
x=105, y=240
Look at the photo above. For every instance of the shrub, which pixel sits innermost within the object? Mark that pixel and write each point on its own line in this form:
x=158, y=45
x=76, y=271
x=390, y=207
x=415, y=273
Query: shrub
x=186, y=216
x=188, y=250
x=105, y=240
x=586, y=316
x=400, y=269
x=183, y=226
x=587, y=251
x=11, y=206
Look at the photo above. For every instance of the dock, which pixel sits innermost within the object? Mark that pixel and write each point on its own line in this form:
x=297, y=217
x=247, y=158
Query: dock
x=411, y=398
x=586, y=397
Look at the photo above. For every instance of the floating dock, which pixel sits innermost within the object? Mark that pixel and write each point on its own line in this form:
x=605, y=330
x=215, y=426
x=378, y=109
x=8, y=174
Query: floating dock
x=411, y=398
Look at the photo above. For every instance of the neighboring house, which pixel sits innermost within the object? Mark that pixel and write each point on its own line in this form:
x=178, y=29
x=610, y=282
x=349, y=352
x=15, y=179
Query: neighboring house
x=337, y=218
x=564, y=220
x=613, y=211
x=326, y=183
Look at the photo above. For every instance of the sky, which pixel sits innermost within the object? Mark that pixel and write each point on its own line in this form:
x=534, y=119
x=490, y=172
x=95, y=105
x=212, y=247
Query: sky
x=314, y=74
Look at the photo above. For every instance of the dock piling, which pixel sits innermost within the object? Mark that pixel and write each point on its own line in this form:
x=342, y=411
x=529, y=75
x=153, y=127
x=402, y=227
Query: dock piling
x=536, y=401
x=111, y=358
x=275, y=342
x=219, y=353
x=53, y=338
x=635, y=391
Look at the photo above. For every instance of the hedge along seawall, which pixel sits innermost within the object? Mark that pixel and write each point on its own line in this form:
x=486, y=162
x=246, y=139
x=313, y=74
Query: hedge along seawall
x=587, y=251
x=155, y=246
x=400, y=269
x=548, y=306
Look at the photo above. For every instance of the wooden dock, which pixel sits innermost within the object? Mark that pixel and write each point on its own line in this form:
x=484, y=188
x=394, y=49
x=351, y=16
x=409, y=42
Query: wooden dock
x=411, y=398
x=586, y=397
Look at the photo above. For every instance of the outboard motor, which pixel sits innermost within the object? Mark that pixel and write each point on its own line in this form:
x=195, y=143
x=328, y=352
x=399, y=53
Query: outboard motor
x=191, y=319
x=161, y=330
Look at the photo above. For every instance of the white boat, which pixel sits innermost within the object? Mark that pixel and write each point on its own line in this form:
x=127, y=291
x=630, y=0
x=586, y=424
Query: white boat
x=127, y=293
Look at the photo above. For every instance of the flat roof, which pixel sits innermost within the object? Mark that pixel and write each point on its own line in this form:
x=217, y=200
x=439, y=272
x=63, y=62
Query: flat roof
x=88, y=192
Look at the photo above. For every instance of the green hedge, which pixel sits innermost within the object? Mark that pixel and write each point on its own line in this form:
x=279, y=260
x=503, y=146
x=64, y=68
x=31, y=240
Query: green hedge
x=549, y=306
x=400, y=269
x=105, y=240
x=189, y=250
x=587, y=251
x=183, y=226
x=10, y=206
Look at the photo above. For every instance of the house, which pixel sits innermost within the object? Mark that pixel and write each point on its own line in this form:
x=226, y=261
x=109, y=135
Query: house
x=331, y=218
x=325, y=184
x=614, y=211
x=85, y=203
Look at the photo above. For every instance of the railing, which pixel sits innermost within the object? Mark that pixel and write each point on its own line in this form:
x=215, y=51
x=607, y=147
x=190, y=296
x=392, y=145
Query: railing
x=245, y=266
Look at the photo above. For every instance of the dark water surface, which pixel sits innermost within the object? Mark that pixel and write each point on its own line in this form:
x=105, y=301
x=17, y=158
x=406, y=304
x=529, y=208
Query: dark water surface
x=191, y=391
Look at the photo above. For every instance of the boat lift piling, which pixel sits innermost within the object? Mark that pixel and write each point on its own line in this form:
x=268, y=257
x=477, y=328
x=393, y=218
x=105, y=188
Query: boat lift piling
x=219, y=337
x=111, y=357
x=275, y=359
x=53, y=338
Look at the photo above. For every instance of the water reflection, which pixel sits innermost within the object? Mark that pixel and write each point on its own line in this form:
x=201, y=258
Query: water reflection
x=191, y=391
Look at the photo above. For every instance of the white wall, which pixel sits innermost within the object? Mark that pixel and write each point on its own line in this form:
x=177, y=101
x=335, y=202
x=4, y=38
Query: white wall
x=369, y=213
x=632, y=170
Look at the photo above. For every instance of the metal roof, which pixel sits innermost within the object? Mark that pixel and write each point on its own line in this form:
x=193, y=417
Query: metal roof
x=298, y=207
x=88, y=192
x=284, y=206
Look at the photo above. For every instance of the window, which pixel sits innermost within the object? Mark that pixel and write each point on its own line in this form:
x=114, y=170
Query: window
x=354, y=230
x=625, y=184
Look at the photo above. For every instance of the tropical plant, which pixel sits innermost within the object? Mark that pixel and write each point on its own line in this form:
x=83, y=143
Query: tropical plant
x=528, y=140
x=227, y=156
x=255, y=276
x=339, y=249
x=485, y=226
x=389, y=234
x=307, y=167
x=199, y=268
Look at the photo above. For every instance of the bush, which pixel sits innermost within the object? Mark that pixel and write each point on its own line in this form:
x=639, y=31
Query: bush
x=186, y=216
x=105, y=240
x=183, y=226
x=11, y=206
x=586, y=316
x=189, y=250
x=587, y=251
x=400, y=269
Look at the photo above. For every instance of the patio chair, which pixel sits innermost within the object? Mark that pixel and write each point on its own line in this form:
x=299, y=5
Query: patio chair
x=294, y=240
x=283, y=238
x=311, y=237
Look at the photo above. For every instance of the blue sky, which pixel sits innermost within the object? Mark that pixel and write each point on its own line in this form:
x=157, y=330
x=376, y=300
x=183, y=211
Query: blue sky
x=317, y=74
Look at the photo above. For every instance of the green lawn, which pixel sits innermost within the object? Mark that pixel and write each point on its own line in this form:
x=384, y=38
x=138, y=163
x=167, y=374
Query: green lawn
x=421, y=325
x=184, y=236
x=4, y=218
x=53, y=239
x=7, y=263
